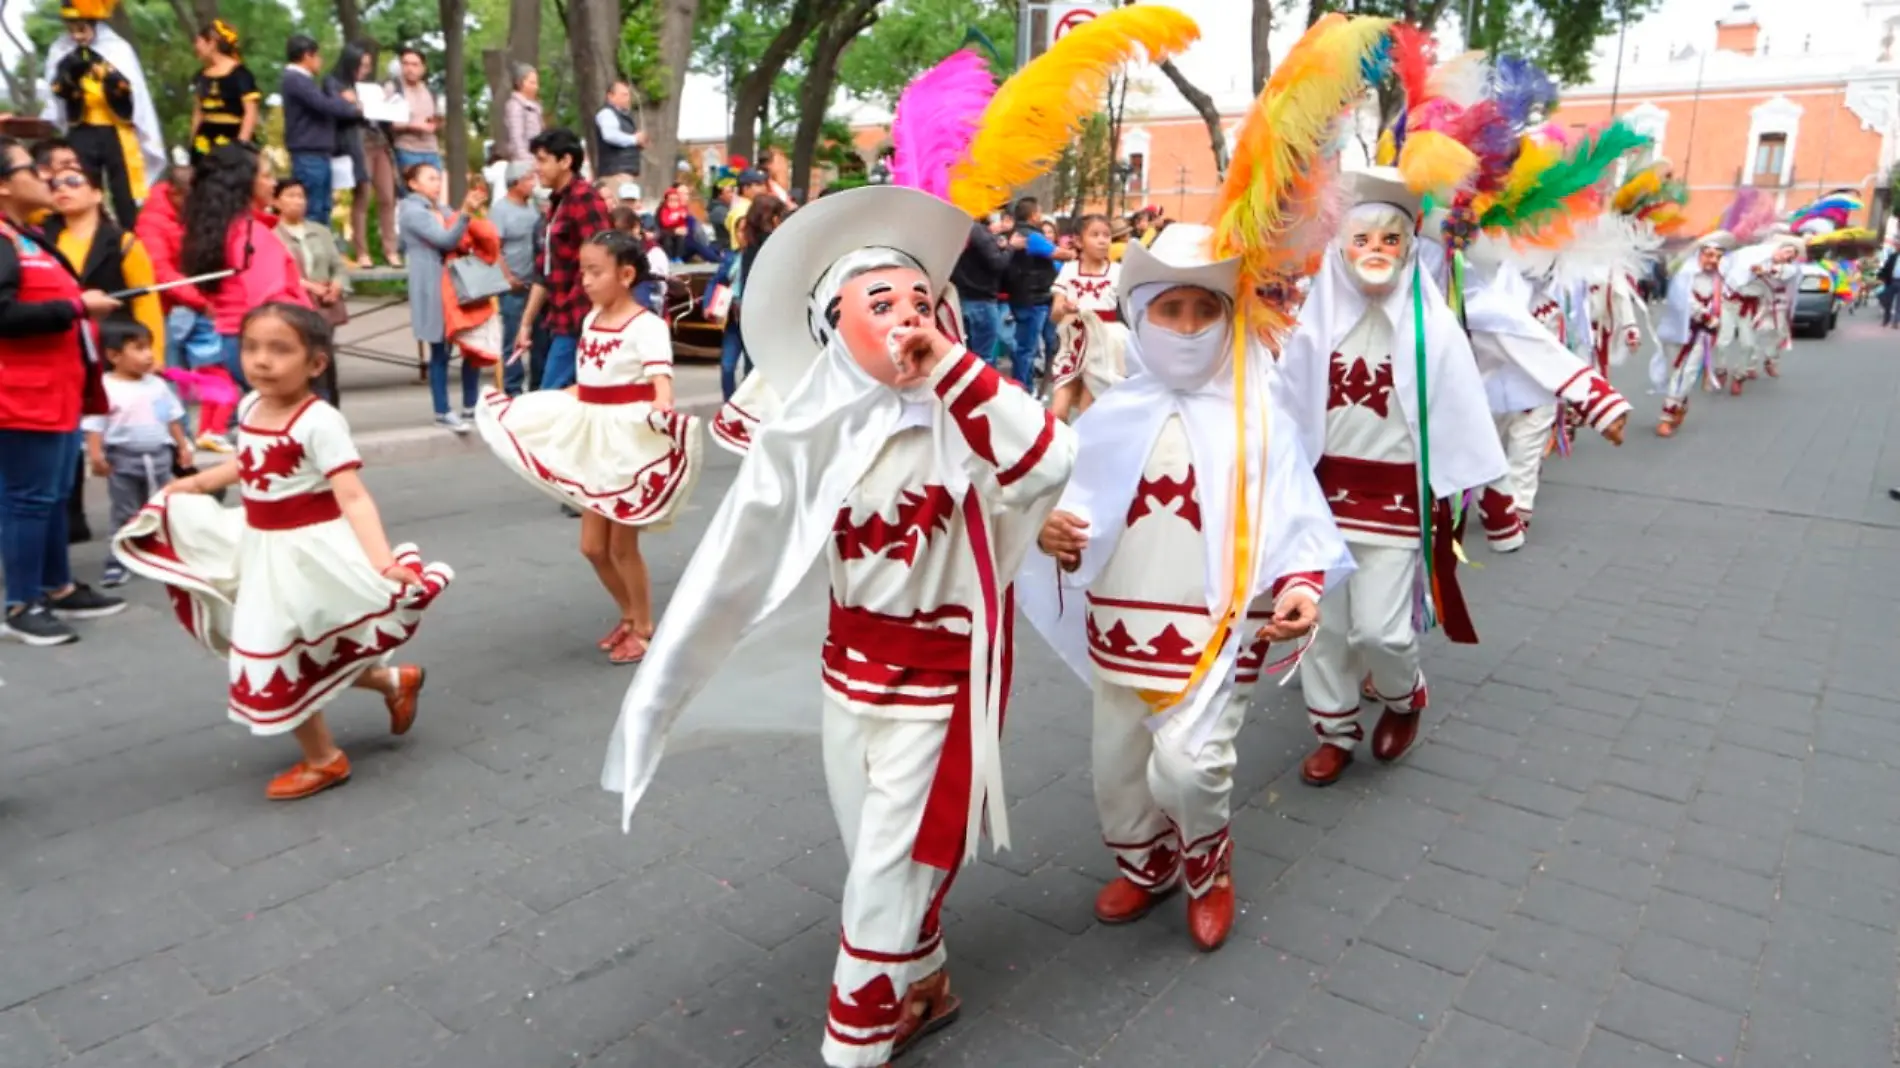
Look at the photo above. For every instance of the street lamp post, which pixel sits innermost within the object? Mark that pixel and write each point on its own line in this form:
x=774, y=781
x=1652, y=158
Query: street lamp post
x=1622, y=31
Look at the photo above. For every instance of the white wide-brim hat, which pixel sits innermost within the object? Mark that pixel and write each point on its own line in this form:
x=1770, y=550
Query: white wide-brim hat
x=1180, y=256
x=774, y=317
x=1721, y=239
x=1382, y=185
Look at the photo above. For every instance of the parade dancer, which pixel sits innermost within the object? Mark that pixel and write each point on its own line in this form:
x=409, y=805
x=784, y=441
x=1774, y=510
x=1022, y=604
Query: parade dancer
x=1744, y=294
x=1387, y=410
x=1174, y=625
x=916, y=477
x=299, y=589
x=1091, y=340
x=1527, y=373
x=1690, y=324
x=612, y=446
x=1782, y=273
x=95, y=91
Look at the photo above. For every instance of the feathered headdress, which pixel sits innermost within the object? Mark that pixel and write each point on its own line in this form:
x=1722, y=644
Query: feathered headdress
x=1545, y=184
x=1748, y=217
x=1649, y=197
x=1280, y=203
x=1431, y=141
x=936, y=118
x=1830, y=213
x=1038, y=111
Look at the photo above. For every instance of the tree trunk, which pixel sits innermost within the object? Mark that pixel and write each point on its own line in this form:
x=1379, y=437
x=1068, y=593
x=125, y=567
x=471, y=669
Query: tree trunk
x=593, y=32
x=524, y=43
x=1314, y=9
x=121, y=21
x=455, y=88
x=206, y=10
x=350, y=17
x=1262, y=43
x=660, y=119
x=495, y=64
x=755, y=90
x=814, y=96
x=1210, y=115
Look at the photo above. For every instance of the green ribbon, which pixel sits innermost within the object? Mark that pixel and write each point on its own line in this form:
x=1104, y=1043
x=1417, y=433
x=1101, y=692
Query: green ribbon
x=1425, y=498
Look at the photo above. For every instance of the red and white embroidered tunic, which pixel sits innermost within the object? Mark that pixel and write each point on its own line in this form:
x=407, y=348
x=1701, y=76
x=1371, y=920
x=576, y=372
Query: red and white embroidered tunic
x=281, y=586
x=1098, y=293
x=1369, y=471
x=901, y=550
x=1148, y=614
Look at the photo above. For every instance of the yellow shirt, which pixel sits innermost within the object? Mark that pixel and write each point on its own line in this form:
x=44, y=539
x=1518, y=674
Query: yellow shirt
x=136, y=265
x=95, y=112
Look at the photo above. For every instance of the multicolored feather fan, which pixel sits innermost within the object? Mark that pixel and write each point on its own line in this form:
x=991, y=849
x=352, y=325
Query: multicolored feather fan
x=1832, y=212
x=1651, y=197
x=936, y=118
x=1038, y=111
x=1545, y=184
x=1749, y=216
x=1280, y=203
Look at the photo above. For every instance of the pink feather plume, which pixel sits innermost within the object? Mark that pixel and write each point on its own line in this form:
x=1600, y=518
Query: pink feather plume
x=1750, y=216
x=936, y=118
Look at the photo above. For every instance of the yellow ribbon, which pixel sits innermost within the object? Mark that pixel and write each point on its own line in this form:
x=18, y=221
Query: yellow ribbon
x=1239, y=539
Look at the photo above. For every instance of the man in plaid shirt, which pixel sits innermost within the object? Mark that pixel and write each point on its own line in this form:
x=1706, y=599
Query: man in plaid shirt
x=577, y=213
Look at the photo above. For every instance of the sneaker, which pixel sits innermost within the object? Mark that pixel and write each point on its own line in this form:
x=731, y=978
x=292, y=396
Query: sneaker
x=34, y=625
x=214, y=443
x=468, y=416
x=451, y=421
x=114, y=576
x=84, y=602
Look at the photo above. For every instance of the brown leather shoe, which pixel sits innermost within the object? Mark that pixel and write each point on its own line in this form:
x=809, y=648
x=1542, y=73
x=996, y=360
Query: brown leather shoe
x=1123, y=902
x=1211, y=916
x=929, y=1007
x=1324, y=766
x=402, y=703
x=1735, y=385
x=302, y=779
x=1394, y=735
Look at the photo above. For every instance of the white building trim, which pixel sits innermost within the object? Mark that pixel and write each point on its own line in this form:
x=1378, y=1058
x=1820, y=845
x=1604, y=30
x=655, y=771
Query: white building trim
x=1776, y=115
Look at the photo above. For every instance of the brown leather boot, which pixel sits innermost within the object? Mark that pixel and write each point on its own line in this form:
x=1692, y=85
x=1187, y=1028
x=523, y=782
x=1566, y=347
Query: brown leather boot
x=1122, y=901
x=1324, y=766
x=1394, y=735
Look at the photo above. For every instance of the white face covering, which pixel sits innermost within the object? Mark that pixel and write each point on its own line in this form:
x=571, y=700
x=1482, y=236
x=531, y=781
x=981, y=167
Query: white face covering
x=1182, y=362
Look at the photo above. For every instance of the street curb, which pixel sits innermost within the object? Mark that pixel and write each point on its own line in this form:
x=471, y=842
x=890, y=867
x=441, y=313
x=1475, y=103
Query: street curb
x=415, y=443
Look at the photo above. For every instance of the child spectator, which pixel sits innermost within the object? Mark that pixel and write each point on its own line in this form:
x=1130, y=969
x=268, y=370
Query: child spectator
x=141, y=443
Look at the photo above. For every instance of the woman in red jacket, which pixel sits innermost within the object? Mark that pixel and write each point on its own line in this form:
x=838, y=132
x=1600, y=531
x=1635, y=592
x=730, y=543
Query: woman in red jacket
x=48, y=378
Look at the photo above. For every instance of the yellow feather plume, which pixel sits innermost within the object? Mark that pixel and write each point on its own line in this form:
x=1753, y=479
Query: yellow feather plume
x=1436, y=164
x=1534, y=158
x=1038, y=111
x=1388, y=151
x=1644, y=183
x=1276, y=209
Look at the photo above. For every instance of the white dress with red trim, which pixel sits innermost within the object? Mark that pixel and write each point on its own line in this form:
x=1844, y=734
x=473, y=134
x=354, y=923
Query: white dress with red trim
x=281, y=587
x=603, y=446
x=1094, y=344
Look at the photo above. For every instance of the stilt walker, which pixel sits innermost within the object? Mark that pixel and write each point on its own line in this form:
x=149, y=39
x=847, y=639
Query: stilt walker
x=95, y=91
x=1690, y=324
x=1383, y=383
x=912, y=479
x=1193, y=532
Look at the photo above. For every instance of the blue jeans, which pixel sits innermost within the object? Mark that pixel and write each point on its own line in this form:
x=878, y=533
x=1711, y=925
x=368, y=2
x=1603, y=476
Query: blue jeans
x=406, y=160
x=36, y=477
x=731, y=353
x=983, y=322
x=233, y=360
x=313, y=170
x=513, y=304
x=439, y=379
x=1031, y=319
x=192, y=339
x=559, y=373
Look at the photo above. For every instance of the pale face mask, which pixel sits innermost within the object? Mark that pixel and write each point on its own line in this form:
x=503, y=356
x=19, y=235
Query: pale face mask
x=1375, y=242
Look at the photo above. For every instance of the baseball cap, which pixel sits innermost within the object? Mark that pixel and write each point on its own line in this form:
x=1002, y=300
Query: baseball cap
x=750, y=177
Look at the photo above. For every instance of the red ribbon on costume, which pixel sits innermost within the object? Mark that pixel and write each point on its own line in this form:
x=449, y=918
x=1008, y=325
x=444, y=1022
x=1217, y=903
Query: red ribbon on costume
x=290, y=513
x=626, y=393
x=1449, y=600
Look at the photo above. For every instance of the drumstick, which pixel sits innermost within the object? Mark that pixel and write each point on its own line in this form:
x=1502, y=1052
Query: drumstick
x=139, y=291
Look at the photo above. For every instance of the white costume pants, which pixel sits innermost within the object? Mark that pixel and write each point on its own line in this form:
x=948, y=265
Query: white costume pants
x=1684, y=372
x=1164, y=812
x=1525, y=436
x=878, y=772
x=1365, y=628
x=1738, y=349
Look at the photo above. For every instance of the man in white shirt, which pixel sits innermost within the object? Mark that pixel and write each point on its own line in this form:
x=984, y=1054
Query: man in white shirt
x=620, y=138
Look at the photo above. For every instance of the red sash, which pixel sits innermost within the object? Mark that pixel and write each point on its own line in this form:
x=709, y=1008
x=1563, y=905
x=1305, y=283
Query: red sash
x=290, y=513
x=627, y=393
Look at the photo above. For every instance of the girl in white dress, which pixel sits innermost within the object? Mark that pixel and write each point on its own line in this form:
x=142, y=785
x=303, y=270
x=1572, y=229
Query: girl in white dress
x=1092, y=340
x=299, y=589
x=610, y=445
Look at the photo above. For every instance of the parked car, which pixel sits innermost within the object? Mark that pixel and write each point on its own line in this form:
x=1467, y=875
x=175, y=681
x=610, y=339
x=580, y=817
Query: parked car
x=1816, y=306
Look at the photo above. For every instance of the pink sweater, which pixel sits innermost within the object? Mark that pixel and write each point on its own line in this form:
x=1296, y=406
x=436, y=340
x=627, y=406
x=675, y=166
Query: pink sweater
x=267, y=272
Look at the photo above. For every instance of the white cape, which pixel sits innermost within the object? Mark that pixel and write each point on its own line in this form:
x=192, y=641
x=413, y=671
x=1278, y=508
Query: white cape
x=118, y=52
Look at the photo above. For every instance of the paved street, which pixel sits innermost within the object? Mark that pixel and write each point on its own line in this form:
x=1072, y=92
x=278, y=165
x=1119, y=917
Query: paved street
x=1656, y=820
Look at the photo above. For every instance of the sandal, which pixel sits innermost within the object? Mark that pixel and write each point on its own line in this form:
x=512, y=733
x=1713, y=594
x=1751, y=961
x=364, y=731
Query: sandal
x=615, y=636
x=301, y=779
x=402, y=701
x=929, y=1007
x=630, y=650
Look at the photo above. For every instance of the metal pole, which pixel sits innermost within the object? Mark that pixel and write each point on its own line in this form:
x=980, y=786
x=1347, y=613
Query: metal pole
x=1622, y=31
x=1695, y=108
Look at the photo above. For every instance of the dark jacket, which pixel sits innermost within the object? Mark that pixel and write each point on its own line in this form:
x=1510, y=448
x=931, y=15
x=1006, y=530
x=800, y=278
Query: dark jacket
x=619, y=159
x=1031, y=278
x=311, y=116
x=979, y=272
x=349, y=132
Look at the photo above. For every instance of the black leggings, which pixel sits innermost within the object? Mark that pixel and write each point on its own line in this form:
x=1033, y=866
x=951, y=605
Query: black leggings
x=99, y=148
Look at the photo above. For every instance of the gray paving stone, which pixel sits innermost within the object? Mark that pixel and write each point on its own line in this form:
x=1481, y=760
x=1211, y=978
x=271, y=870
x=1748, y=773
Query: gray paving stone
x=1414, y=931
x=1691, y=970
x=135, y=1050
x=1468, y=1042
x=462, y=992
x=1392, y=984
x=1783, y=1035
x=1472, y=898
x=1697, y=877
x=1630, y=880
x=234, y=1024
x=116, y=1003
x=500, y=1042
x=359, y=967
x=377, y=1023
x=25, y=1042
x=1549, y=1010
x=1219, y=1031
x=1331, y=1032
x=1608, y=1050
x=254, y=946
x=1706, y=924
x=1672, y=1023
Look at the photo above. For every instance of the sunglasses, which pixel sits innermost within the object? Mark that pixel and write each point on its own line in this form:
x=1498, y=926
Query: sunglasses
x=67, y=181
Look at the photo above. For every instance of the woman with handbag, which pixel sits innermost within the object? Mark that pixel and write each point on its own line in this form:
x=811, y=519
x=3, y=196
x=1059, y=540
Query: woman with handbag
x=325, y=278
x=426, y=238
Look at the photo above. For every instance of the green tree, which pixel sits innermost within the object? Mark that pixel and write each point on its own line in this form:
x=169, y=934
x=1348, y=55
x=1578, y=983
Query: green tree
x=912, y=35
x=1561, y=35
